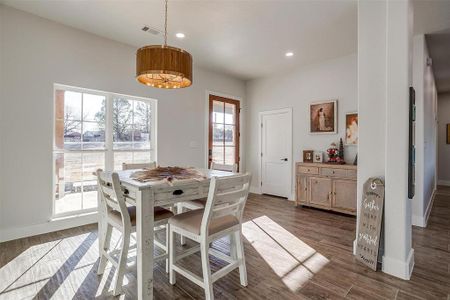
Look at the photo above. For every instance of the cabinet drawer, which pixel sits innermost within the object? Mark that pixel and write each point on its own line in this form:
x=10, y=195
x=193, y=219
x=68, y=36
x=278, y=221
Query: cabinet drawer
x=333, y=172
x=351, y=174
x=308, y=170
x=177, y=192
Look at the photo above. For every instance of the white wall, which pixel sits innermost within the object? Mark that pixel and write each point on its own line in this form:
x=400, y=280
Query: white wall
x=384, y=77
x=35, y=54
x=332, y=79
x=443, y=149
x=426, y=126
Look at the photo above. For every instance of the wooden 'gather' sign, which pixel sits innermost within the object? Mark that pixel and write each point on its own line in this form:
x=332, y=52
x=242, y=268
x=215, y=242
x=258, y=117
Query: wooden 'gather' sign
x=370, y=222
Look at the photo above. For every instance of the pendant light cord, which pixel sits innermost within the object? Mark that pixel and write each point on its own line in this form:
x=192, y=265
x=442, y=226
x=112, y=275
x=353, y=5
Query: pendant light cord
x=165, y=25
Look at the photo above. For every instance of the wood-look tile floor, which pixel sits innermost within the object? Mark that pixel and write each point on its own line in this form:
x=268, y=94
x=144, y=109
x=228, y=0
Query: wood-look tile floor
x=292, y=253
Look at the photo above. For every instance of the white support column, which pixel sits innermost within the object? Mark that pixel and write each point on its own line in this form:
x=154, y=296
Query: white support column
x=384, y=77
x=398, y=259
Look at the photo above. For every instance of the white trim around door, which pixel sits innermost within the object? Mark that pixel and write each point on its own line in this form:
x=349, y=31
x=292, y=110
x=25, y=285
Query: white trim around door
x=288, y=111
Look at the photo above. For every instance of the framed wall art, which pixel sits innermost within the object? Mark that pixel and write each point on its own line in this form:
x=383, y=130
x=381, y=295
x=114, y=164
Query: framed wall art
x=351, y=129
x=323, y=117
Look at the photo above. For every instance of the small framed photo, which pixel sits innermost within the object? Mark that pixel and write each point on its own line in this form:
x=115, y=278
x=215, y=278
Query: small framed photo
x=308, y=156
x=323, y=117
x=318, y=156
x=351, y=128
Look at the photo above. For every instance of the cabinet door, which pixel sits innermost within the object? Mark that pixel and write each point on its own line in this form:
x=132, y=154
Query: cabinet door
x=344, y=192
x=320, y=192
x=302, y=190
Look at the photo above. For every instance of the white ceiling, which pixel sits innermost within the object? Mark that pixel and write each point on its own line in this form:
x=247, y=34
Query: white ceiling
x=245, y=39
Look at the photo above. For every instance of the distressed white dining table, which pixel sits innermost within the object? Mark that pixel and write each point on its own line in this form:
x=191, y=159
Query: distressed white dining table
x=146, y=195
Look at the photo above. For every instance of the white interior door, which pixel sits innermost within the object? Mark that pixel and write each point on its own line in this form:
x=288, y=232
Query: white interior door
x=276, y=152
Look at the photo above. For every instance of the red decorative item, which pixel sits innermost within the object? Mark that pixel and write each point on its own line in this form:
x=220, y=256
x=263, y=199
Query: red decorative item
x=333, y=153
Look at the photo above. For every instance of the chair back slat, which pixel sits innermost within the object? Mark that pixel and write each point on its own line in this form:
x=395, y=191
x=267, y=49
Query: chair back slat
x=226, y=210
x=231, y=183
x=112, y=195
x=150, y=165
x=221, y=167
x=227, y=197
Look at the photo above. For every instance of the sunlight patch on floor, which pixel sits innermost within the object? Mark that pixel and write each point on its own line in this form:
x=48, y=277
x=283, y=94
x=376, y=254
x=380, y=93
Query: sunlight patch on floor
x=46, y=269
x=294, y=261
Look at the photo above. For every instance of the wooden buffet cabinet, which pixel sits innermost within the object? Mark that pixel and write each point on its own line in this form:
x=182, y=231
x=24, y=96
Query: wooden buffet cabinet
x=326, y=186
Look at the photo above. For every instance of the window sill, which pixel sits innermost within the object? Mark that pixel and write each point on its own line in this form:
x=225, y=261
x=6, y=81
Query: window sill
x=74, y=216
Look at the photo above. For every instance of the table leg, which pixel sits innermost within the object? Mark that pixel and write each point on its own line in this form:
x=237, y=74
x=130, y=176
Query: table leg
x=145, y=236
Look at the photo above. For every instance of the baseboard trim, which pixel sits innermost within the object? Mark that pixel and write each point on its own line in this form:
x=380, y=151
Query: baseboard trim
x=9, y=234
x=398, y=268
x=430, y=207
x=255, y=190
x=418, y=221
x=422, y=221
x=444, y=182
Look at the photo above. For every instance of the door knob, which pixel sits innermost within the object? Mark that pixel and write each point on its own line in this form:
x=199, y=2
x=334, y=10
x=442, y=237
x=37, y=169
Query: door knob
x=285, y=159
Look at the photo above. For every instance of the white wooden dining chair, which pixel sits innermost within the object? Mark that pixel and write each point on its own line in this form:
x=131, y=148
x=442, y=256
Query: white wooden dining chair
x=200, y=203
x=123, y=218
x=222, y=216
x=129, y=166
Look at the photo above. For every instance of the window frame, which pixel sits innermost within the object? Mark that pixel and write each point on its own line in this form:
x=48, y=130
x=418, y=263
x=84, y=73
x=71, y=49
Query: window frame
x=225, y=100
x=109, y=146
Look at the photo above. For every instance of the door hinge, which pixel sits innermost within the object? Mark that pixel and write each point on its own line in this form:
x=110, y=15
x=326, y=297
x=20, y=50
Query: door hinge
x=261, y=154
x=261, y=125
x=261, y=183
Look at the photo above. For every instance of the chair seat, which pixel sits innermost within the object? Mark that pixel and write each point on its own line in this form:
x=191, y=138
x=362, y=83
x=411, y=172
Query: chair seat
x=192, y=220
x=160, y=213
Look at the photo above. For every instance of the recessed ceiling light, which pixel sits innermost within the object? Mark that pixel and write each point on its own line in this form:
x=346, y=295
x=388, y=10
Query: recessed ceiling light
x=289, y=54
x=180, y=35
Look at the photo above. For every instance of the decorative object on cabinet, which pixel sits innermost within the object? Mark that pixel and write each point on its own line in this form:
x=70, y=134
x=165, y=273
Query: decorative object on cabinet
x=341, y=159
x=326, y=186
x=318, y=156
x=370, y=223
x=308, y=156
x=323, y=117
x=355, y=162
x=333, y=153
x=351, y=129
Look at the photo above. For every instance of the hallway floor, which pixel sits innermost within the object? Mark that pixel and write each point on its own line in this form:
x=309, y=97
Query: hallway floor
x=292, y=253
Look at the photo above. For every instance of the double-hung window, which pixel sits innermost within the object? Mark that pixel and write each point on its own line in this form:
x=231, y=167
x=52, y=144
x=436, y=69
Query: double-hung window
x=96, y=130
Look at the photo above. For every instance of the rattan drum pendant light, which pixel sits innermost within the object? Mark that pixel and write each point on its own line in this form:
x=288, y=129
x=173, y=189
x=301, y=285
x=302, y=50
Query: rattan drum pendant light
x=162, y=66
